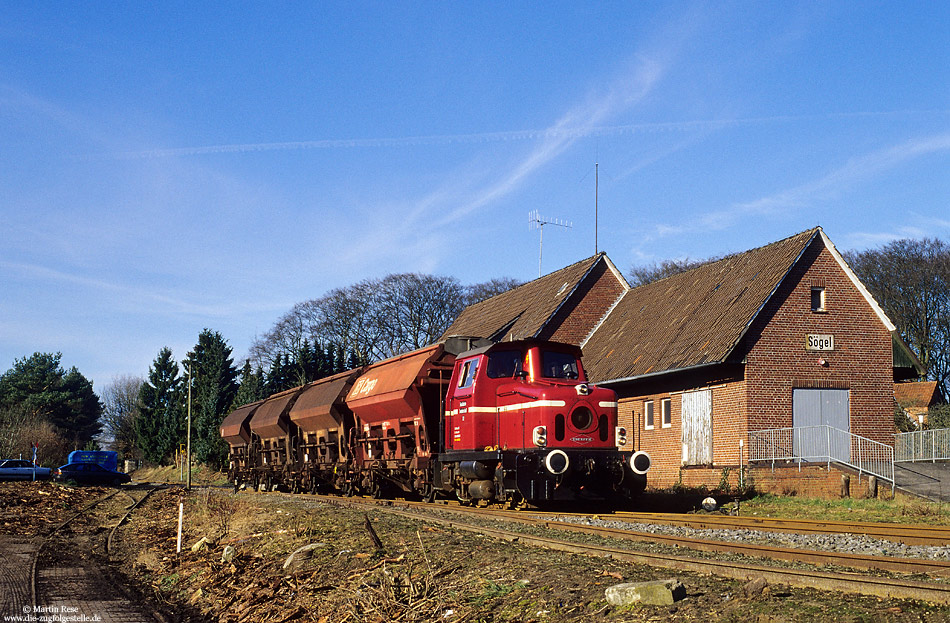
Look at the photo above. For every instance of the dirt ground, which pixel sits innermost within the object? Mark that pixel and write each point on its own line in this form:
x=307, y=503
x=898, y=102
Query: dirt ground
x=422, y=572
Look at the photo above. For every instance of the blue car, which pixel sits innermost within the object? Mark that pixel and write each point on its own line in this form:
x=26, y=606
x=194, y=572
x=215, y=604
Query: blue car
x=21, y=469
x=89, y=474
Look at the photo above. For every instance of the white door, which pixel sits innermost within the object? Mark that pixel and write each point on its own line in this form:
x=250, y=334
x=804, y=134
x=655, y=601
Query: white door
x=697, y=427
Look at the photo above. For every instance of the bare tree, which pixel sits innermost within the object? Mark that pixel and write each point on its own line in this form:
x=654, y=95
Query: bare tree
x=413, y=310
x=642, y=275
x=910, y=279
x=375, y=318
x=119, y=409
x=481, y=291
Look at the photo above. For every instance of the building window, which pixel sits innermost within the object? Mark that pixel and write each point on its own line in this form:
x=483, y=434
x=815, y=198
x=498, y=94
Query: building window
x=648, y=414
x=667, y=414
x=818, y=299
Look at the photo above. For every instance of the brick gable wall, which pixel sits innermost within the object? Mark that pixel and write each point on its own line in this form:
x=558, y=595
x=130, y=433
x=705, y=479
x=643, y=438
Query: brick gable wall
x=862, y=362
x=586, y=307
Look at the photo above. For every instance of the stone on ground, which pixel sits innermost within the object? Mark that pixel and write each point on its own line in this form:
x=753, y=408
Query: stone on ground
x=655, y=593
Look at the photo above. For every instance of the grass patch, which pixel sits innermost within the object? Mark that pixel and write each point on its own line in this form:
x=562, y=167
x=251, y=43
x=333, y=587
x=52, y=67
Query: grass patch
x=898, y=510
x=200, y=475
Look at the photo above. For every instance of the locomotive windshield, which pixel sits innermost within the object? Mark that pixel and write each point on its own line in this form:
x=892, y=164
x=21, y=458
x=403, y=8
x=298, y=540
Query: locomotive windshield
x=504, y=364
x=556, y=365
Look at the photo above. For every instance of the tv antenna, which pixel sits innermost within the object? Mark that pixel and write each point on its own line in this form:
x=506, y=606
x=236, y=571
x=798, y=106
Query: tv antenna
x=536, y=221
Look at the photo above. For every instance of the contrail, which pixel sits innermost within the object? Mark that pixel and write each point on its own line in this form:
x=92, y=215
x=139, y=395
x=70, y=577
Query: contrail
x=556, y=132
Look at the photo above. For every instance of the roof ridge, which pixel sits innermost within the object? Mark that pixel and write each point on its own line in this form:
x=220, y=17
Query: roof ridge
x=810, y=232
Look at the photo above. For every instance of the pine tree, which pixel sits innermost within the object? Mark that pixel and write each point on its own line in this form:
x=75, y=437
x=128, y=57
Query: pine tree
x=305, y=368
x=40, y=387
x=339, y=363
x=159, y=428
x=276, y=375
x=214, y=385
x=251, y=388
x=320, y=355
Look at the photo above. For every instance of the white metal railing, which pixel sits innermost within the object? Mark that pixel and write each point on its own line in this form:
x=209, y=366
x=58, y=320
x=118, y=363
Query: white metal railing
x=813, y=444
x=922, y=445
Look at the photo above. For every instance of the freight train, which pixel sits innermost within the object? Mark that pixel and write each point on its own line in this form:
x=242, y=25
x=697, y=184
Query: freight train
x=510, y=423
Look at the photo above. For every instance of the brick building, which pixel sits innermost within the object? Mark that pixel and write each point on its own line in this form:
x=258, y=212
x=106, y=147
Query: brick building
x=916, y=399
x=779, y=336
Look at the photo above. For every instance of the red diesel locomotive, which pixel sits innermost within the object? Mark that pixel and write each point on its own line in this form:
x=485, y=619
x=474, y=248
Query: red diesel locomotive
x=509, y=422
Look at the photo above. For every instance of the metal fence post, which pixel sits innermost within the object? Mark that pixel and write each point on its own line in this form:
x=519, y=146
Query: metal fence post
x=828, y=444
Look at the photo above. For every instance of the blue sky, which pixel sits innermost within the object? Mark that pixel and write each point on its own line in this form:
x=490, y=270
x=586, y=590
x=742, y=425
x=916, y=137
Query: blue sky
x=170, y=166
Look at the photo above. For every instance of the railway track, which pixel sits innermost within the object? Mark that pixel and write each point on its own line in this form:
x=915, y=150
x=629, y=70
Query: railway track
x=811, y=577
x=908, y=534
x=73, y=579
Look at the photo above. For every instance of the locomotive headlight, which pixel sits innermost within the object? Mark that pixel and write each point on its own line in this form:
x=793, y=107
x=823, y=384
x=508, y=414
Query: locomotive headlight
x=620, y=434
x=557, y=462
x=540, y=436
x=640, y=462
x=582, y=418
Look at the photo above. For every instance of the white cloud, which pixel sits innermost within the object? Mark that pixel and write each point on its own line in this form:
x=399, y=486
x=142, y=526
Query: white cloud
x=805, y=195
x=146, y=301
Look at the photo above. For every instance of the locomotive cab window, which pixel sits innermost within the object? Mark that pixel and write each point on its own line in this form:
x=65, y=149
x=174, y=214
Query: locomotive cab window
x=556, y=365
x=504, y=364
x=467, y=375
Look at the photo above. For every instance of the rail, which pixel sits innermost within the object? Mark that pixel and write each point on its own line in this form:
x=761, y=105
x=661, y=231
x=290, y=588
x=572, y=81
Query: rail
x=822, y=444
x=922, y=445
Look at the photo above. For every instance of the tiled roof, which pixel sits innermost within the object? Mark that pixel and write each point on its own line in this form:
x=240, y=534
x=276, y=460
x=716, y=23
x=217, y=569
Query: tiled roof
x=922, y=394
x=523, y=311
x=696, y=317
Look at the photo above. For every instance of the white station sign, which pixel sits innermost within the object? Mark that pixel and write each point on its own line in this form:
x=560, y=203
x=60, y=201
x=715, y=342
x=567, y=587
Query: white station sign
x=819, y=342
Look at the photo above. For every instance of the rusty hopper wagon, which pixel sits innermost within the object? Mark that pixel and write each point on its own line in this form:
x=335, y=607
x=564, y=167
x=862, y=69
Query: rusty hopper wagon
x=324, y=427
x=397, y=404
x=274, y=436
x=236, y=431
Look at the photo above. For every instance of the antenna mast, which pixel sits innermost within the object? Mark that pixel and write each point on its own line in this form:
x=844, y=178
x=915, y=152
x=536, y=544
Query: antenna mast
x=596, y=193
x=536, y=221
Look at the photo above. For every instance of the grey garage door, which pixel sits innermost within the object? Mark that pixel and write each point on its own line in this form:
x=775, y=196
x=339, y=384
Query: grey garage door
x=816, y=407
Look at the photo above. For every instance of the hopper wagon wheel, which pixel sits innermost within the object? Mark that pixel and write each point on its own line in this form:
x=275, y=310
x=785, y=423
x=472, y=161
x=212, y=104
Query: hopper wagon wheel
x=377, y=491
x=517, y=502
x=428, y=494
